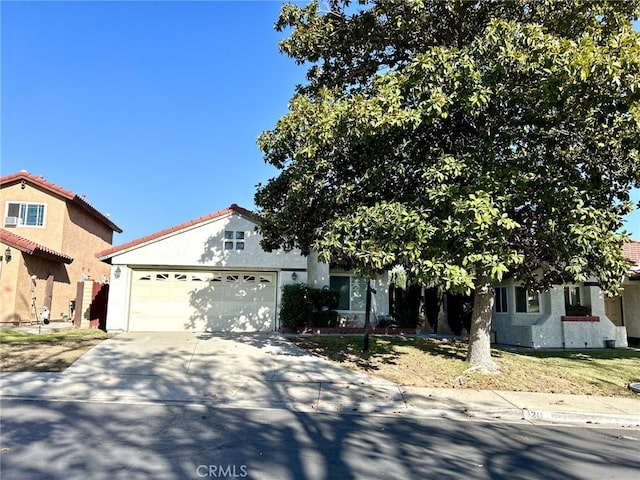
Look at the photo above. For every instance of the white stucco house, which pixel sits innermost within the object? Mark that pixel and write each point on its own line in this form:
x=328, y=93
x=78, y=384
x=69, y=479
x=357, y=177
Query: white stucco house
x=625, y=309
x=546, y=320
x=210, y=274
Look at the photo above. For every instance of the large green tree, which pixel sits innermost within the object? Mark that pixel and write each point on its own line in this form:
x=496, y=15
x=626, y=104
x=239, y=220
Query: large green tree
x=461, y=140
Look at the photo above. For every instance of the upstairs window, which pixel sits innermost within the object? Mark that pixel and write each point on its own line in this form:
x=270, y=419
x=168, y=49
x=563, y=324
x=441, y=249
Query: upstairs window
x=24, y=214
x=233, y=240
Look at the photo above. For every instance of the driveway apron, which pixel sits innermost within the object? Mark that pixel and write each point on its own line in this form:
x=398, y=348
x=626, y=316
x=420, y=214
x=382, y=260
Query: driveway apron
x=230, y=370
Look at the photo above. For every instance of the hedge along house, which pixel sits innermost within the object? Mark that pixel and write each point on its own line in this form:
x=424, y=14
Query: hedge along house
x=48, y=241
x=211, y=274
x=570, y=316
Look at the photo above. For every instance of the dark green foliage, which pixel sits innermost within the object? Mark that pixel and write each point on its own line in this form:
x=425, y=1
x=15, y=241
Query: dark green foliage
x=432, y=306
x=407, y=306
x=324, y=303
x=461, y=140
x=578, y=310
x=296, y=307
x=303, y=306
x=459, y=309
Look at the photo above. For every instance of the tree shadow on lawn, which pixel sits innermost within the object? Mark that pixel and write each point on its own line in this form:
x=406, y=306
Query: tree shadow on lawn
x=588, y=355
x=385, y=350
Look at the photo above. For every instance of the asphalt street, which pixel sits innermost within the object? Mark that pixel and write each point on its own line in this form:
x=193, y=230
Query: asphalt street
x=67, y=440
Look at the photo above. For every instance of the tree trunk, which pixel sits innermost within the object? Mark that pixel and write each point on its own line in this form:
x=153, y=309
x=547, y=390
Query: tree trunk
x=479, y=355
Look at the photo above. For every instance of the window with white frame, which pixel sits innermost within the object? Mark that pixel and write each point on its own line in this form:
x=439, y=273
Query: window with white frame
x=233, y=240
x=353, y=292
x=500, y=303
x=526, y=301
x=24, y=214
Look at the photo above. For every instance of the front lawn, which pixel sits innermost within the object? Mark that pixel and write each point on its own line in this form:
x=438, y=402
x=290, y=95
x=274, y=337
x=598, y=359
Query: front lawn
x=430, y=362
x=45, y=352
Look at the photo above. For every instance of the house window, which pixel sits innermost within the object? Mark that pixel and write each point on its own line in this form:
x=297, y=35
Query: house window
x=24, y=214
x=526, y=301
x=233, y=240
x=353, y=291
x=572, y=296
x=500, y=304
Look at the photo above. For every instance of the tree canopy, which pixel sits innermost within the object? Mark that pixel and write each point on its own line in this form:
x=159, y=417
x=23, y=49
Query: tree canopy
x=462, y=140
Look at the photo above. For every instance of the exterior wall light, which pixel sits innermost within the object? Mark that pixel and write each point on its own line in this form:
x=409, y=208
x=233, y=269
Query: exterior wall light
x=7, y=254
x=117, y=272
x=294, y=276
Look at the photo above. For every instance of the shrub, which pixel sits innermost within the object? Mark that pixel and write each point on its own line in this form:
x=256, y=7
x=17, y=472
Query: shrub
x=304, y=306
x=578, y=310
x=459, y=310
x=407, y=306
x=296, y=307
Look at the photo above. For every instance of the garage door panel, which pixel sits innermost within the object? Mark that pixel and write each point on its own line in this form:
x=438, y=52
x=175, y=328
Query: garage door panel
x=212, y=301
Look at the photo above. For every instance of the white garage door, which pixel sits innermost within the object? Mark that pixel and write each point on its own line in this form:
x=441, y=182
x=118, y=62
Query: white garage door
x=210, y=301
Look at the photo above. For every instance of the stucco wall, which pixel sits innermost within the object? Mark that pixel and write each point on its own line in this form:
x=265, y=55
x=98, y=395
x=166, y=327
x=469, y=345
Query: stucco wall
x=68, y=229
x=16, y=288
x=631, y=306
x=9, y=272
x=547, y=329
x=203, y=246
x=51, y=233
x=84, y=236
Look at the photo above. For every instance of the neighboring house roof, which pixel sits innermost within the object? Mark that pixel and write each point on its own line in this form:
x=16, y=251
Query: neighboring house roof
x=110, y=252
x=32, y=248
x=631, y=251
x=24, y=176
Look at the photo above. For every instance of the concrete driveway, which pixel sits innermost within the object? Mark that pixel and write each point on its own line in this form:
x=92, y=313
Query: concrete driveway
x=265, y=371
x=241, y=370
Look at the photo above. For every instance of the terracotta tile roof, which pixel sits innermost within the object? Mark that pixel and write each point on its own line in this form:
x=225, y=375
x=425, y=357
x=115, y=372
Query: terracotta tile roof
x=105, y=254
x=32, y=248
x=631, y=251
x=59, y=191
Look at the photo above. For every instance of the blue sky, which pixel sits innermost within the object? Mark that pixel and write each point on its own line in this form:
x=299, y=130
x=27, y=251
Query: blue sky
x=152, y=109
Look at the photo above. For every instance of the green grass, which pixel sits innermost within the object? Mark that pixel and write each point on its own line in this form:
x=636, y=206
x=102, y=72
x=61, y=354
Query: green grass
x=46, y=352
x=17, y=337
x=432, y=362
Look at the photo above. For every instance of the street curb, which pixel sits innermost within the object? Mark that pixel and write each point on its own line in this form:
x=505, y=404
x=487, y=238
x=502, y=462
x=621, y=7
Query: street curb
x=578, y=417
x=514, y=414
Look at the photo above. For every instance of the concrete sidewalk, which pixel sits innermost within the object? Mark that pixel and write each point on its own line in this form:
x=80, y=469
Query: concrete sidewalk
x=266, y=371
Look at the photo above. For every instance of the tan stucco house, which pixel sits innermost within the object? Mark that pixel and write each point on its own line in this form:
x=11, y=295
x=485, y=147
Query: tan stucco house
x=211, y=274
x=48, y=241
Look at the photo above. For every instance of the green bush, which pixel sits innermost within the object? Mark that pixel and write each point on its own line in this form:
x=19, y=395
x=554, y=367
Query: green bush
x=296, y=307
x=303, y=306
x=407, y=306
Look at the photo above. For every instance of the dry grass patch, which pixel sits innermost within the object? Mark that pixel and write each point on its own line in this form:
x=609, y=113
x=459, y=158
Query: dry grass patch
x=430, y=362
x=45, y=352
